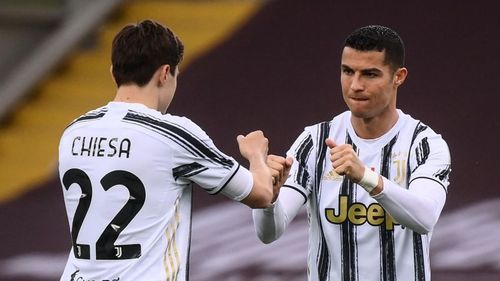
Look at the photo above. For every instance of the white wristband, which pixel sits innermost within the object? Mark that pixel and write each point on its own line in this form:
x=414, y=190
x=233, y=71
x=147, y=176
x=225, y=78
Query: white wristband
x=369, y=180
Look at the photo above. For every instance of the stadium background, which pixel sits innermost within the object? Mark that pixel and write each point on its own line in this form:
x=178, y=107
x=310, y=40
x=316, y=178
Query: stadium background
x=270, y=65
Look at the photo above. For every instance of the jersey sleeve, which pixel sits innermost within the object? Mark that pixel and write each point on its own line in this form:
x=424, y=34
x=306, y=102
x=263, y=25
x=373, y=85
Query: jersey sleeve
x=198, y=160
x=430, y=158
x=271, y=223
x=419, y=206
x=302, y=170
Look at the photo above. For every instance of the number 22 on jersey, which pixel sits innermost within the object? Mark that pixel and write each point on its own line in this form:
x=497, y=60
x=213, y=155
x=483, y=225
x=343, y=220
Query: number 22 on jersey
x=105, y=246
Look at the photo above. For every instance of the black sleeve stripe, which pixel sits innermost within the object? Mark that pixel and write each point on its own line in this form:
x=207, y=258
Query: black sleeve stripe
x=298, y=190
x=422, y=151
x=89, y=116
x=172, y=138
x=420, y=127
x=182, y=136
x=170, y=130
x=444, y=173
x=225, y=184
x=433, y=179
x=188, y=170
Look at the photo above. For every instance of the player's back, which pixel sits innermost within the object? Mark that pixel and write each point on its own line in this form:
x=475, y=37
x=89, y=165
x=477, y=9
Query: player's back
x=128, y=213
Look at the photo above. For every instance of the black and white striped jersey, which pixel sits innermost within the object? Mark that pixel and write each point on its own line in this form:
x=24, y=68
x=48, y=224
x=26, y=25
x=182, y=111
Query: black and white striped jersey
x=351, y=236
x=127, y=173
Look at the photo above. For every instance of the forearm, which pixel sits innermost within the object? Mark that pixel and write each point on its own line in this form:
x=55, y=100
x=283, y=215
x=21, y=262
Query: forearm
x=262, y=189
x=418, y=207
x=270, y=223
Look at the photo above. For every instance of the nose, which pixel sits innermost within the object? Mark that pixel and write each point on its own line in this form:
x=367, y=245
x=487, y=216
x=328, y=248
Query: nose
x=356, y=83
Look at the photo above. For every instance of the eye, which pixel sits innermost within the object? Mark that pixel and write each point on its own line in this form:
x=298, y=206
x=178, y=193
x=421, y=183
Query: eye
x=371, y=74
x=347, y=71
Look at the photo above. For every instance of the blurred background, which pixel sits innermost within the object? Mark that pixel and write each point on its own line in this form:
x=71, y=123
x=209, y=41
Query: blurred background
x=250, y=64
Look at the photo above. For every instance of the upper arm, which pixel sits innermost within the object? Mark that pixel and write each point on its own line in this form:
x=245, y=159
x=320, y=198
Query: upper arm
x=196, y=159
x=431, y=160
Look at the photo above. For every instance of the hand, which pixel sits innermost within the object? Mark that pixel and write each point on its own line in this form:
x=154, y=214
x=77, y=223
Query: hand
x=280, y=168
x=253, y=145
x=345, y=161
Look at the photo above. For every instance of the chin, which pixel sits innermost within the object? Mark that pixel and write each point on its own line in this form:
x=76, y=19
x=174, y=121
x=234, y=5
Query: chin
x=359, y=113
x=363, y=114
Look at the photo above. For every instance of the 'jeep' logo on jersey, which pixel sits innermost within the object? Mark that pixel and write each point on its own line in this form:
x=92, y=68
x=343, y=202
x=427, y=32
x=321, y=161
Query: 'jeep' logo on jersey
x=359, y=214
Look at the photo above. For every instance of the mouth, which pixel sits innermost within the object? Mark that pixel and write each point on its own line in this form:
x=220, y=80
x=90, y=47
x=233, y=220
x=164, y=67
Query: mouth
x=358, y=98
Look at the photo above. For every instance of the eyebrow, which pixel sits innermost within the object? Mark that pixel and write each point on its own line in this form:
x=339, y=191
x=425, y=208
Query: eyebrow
x=367, y=70
x=343, y=66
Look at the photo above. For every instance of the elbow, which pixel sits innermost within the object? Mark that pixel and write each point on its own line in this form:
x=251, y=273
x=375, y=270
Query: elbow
x=423, y=230
x=266, y=239
x=423, y=227
x=427, y=224
x=266, y=225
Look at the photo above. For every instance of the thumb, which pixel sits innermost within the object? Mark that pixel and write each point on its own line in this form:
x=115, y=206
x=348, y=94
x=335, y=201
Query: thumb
x=330, y=143
x=239, y=138
x=289, y=162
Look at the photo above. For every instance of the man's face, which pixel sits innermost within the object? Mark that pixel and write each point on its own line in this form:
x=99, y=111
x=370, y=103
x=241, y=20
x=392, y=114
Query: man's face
x=368, y=84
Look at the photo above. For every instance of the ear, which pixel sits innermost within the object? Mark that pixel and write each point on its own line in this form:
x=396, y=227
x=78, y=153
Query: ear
x=164, y=73
x=400, y=76
x=111, y=72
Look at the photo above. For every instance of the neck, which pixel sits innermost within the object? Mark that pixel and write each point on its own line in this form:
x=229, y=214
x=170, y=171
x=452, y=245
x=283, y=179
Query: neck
x=372, y=128
x=135, y=94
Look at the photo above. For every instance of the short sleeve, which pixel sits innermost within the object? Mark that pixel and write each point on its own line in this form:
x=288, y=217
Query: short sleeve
x=430, y=158
x=197, y=159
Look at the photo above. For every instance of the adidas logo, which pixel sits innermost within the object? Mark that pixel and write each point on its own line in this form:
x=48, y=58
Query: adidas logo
x=332, y=176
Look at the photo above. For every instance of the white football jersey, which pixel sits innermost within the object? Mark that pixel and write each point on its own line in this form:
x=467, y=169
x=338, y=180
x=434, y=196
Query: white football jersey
x=351, y=237
x=127, y=173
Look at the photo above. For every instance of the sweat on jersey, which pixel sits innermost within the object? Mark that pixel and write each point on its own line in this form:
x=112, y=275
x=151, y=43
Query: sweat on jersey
x=127, y=173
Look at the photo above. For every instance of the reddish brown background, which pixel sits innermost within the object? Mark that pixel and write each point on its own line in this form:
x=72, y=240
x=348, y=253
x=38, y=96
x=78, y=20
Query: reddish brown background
x=280, y=72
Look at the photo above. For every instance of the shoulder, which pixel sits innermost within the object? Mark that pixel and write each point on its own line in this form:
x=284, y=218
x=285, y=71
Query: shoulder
x=313, y=136
x=326, y=124
x=90, y=115
x=185, y=124
x=179, y=120
x=164, y=124
x=426, y=144
x=423, y=133
x=429, y=155
x=418, y=131
x=85, y=119
x=321, y=130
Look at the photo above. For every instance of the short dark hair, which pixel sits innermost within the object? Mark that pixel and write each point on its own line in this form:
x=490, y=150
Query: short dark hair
x=138, y=50
x=380, y=38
